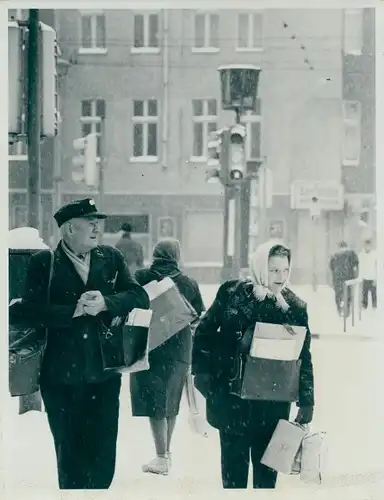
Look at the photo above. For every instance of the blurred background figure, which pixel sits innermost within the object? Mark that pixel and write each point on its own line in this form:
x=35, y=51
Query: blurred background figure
x=344, y=265
x=131, y=249
x=368, y=273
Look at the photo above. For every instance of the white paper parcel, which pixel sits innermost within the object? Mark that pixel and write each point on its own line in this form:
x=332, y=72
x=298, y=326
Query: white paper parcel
x=273, y=341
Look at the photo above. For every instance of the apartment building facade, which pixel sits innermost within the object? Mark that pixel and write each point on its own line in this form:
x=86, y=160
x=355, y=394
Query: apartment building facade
x=153, y=75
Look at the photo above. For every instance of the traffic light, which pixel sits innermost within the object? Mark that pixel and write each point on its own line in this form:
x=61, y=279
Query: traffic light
x=49, y=81
x=87, y=160
x=214, y=149
x=237, y=160
x=15, y=77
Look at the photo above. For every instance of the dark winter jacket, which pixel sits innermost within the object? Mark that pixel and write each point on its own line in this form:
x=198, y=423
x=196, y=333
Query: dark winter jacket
x=344, y=265
x=178, y=347
x=216, y=343
x=73, y=352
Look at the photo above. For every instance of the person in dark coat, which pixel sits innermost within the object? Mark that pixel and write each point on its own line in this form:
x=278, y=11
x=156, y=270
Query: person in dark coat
x=156, y=393
x=344, y=266
x=90, y=284
x=131, y=249
x=246, y=426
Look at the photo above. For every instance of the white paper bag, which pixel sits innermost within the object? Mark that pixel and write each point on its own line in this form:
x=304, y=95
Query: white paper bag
x=139, y=320
x=313, y=457
x=282, y=450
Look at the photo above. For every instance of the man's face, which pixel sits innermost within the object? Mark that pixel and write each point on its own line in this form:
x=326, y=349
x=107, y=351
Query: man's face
x=84, y=234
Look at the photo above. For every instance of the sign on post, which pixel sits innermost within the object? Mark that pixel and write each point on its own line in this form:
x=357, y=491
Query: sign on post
x=329, y=195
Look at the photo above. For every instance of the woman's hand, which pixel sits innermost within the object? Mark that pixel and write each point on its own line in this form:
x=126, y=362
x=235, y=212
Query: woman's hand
x=304, y=415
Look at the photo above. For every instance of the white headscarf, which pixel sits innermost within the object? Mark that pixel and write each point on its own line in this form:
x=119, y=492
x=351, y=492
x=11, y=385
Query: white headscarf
x=259, y=273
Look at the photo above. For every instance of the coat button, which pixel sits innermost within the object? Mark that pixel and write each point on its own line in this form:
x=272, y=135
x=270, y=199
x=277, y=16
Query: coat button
x=85, y=336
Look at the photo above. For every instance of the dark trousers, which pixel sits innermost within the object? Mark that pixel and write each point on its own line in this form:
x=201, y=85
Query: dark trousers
x=369, y=286
x=339, y=297
x=84, y=424
x=237, y=449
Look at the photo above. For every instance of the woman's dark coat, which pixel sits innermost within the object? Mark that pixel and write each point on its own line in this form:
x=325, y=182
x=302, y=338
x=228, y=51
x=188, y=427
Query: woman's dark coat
x=216, y=341
x=178, y=347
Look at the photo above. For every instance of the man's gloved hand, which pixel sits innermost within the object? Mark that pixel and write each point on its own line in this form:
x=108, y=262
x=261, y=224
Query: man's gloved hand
x=304, y=415
x=93, y=302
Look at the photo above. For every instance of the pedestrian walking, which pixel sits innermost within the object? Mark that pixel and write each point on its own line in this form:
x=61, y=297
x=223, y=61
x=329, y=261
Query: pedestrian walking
x=157, y=393
x=90, y=285
x=131, y=249
x=368, y=273
x=344, y=265
x=246, y=426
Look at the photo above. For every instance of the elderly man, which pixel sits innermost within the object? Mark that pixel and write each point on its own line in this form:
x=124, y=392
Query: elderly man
x=91, y=284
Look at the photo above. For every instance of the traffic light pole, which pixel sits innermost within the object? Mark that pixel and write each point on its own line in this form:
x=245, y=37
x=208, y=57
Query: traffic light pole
x=236, y=263
x=103, y=159
x=33, y=401
x=34, y=120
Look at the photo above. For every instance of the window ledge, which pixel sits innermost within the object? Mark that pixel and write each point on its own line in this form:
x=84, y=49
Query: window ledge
x=351, y=163
x=205, y=50
x=18, y=157
x=249, y=49
x=92, y=51
x=198, y=159
x=355, y=53
x=144, y=159
x=145, y=50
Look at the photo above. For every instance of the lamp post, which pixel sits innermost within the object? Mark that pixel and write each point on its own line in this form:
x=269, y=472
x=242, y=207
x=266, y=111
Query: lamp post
x=239, y=85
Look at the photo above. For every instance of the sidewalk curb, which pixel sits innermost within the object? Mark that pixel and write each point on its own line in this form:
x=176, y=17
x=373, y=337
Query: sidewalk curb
x=343, y=336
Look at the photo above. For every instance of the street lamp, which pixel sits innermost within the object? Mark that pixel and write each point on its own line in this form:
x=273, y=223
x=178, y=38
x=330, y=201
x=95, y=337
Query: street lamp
x=239, y=85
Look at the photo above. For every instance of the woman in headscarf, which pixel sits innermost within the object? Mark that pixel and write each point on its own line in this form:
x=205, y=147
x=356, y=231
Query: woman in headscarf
x=246, y=426
x=157, y=393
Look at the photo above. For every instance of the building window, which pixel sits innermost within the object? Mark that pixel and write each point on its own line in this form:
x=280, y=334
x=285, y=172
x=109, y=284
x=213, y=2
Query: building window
x=93, y=33
x=249, y=31
x=92, y=110
x=206, y=32
x=204, y=113
x=353, y=31
x=145, y=124
x=140, y=231
x=252, y=121
x=351, y=133
x=18, y=150
x=18, y=14
x=19, y=216
x=146, y=32
x=207, y=248
x=166, y=227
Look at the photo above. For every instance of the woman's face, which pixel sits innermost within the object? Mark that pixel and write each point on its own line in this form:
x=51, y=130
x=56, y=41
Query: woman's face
x=278, y=270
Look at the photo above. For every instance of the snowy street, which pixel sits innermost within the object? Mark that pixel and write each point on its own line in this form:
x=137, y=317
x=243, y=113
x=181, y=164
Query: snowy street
x=349, y=378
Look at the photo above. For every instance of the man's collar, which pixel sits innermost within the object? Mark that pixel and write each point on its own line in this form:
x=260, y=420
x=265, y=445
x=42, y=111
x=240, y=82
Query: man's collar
x=80, y=256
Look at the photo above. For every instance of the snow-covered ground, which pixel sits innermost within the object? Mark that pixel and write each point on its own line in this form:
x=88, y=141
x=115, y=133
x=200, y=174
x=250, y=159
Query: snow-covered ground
x=349, y=376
